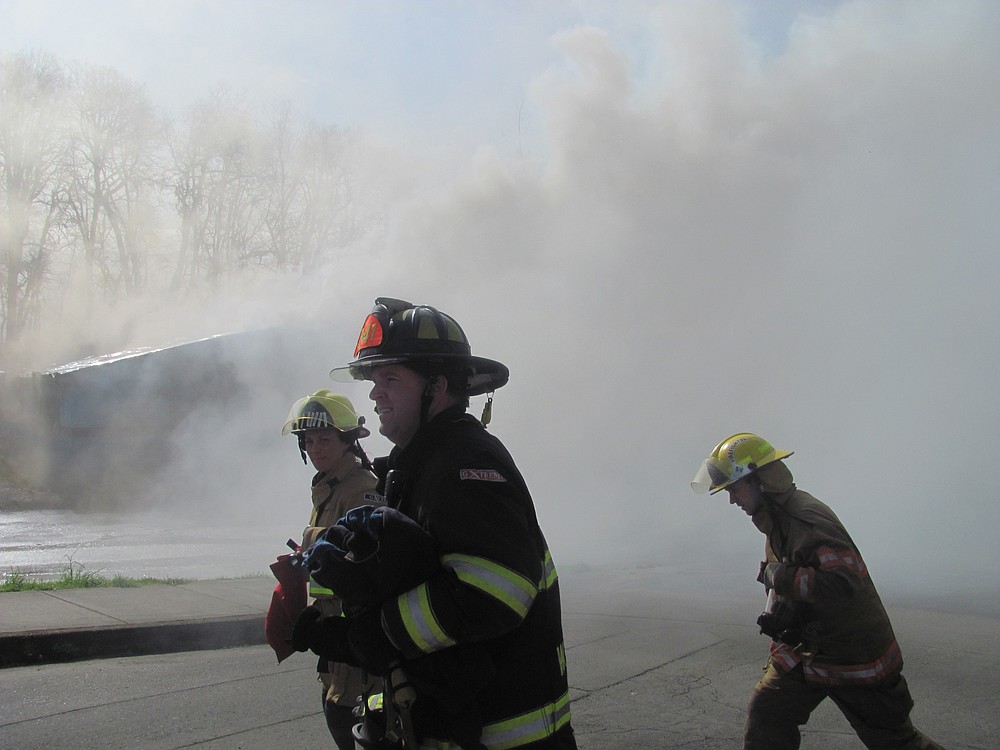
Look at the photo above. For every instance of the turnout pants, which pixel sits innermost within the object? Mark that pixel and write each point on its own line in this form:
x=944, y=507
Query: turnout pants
x=880, y=714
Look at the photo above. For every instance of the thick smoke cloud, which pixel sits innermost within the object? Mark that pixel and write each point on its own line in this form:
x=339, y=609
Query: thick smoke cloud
x=795, y=238
x=801, y=245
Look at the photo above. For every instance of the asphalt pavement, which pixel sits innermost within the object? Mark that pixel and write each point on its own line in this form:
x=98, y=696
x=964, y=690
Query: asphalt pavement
x=656, y=660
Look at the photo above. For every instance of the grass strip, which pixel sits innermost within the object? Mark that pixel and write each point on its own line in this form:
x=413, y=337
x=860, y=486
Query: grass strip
x=17, y=581
x=76, y=576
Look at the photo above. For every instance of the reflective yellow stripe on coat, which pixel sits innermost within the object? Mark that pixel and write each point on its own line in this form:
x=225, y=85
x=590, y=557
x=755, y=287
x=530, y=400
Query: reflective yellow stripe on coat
x=518, y=731
x=316, y=590
x=421, y=624
x=530, y=727
x=503, y=584
x=508, y=587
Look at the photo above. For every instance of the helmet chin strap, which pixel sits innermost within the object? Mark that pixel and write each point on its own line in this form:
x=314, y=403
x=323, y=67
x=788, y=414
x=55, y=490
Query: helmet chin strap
x=487, y=410
x=425, y=400
x=358, y=451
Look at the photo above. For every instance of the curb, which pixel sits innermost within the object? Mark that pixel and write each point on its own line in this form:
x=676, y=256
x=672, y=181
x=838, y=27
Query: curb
x=53, y=646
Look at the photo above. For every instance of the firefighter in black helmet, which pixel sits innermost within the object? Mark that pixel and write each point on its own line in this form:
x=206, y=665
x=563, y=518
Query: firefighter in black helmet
x=428, y=342
x=496, y=586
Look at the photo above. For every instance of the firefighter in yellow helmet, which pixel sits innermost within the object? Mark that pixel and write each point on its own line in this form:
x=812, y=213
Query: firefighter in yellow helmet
x=328, y=432
x=831, y=636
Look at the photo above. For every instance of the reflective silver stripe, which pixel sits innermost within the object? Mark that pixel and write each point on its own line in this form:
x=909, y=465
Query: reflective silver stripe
x=502, y=583
x=420, y=622
x=528, y=727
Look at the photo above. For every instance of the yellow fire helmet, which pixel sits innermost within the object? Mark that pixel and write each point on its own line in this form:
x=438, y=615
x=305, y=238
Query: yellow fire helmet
x=737, y=456
x=324, y=410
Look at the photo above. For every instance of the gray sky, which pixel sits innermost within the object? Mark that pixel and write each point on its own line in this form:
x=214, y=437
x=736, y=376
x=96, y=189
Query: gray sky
x=673, y=221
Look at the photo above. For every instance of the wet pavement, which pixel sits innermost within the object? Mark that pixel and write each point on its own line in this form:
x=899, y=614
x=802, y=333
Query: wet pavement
x=46, y=544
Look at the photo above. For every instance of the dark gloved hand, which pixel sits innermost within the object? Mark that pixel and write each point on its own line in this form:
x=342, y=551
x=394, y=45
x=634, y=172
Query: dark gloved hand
x=324, y=636
x=317, y=553
x=768, y=572
x=365, y=519
x=369, y=644
x=302, y=630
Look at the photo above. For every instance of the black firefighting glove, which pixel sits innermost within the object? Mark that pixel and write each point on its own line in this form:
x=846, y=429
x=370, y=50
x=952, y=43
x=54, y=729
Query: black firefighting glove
x=370, y=646
x=324, y=636
x=302, y=630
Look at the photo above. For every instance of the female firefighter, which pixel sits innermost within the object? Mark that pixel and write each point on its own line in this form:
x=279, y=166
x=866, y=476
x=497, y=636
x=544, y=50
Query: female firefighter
x=328, y=432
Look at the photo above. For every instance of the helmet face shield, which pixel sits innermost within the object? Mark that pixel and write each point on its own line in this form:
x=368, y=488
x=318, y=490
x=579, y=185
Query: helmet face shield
x=710, y=478
x=362, y=370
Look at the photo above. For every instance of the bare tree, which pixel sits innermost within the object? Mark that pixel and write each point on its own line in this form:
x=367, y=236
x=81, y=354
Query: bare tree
x=216, y=185
x=32, y=89
x=334, y=214
x=109, y=176
x=282, y=183
x=85, y=163
x=312, y=207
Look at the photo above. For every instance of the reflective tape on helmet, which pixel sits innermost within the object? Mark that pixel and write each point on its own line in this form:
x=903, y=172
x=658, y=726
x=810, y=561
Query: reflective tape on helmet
x=324, y=410
x=503, y=584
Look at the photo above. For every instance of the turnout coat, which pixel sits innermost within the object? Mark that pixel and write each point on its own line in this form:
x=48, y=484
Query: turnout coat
x=493, y=603
x=347, y=485
x=847, y=638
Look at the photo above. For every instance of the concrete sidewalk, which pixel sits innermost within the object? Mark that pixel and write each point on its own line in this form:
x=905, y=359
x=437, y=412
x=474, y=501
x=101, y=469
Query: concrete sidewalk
x=39, y=627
